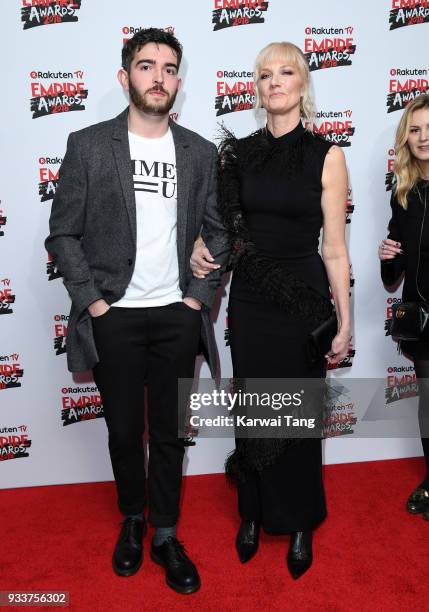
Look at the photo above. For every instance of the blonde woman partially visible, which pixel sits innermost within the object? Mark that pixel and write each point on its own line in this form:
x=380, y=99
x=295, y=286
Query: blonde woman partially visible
x=406, y=251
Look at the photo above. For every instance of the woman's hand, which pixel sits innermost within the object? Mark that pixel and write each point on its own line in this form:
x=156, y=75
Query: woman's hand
x=201, y=260
x=389, y=249
x=339, y=347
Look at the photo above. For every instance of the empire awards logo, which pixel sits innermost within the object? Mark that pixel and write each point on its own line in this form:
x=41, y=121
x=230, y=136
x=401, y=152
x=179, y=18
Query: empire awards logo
x=231, y=13
x=401, y=383
x=339, y=414
x=234, y=95
x=60, y=333
x=52, y=270
x=328, y=47
x=352, y=278
x=11, y=371
x=80, y=404
x=3, y=220
x=14, y=442
x=347, y=362
x=349, y=206
x=390, y=302
x=48, y=177
x=403, y=89
x=390, y=174
x=335, y=126
x=7, y=297
x=36, y=13
x=56, y=92
x=408, y=12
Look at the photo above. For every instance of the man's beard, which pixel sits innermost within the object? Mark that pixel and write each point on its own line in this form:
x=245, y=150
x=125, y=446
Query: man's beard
x=140, y=101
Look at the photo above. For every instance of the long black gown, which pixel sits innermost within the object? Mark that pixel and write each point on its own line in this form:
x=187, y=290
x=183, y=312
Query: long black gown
x=280, y=198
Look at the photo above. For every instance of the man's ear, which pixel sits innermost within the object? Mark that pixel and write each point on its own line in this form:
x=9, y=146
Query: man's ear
x=123, y=78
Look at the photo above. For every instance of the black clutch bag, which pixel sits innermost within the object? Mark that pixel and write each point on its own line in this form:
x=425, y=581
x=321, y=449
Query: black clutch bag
x=410, y=321
x=320, y=339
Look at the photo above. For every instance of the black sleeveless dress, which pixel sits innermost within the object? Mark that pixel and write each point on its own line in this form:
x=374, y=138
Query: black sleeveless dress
x=280, y=198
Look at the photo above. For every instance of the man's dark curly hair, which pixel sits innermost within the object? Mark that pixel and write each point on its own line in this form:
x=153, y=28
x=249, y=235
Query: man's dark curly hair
x=145, y=36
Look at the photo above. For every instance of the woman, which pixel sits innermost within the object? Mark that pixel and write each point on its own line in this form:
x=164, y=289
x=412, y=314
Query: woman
x=277, y=187
x=406, y=250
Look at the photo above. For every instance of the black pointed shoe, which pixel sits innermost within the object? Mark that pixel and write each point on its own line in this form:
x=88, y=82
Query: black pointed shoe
x=300, y=554
x=128, y=554
x=418, y=501
x=247, y=540
x=180, y=573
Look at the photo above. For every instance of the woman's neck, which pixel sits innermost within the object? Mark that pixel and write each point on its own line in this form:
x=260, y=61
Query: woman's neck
x=282, y=124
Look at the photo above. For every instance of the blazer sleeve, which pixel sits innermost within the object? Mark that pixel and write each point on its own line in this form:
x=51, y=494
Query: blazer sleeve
x=216, y=239
x=66, y=226
x=392, y=269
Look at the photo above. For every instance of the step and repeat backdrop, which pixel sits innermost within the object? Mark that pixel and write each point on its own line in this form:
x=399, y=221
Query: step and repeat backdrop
x=59, y=65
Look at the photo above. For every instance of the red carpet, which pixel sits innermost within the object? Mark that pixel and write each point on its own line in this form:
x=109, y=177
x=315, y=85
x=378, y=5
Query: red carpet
x=370, y=554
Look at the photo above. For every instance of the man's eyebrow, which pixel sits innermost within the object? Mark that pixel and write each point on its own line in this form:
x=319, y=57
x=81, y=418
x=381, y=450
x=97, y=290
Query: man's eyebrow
x=153, y=62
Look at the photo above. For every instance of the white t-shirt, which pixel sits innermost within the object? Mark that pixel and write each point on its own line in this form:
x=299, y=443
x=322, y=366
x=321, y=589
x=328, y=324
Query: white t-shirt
x=155, y=280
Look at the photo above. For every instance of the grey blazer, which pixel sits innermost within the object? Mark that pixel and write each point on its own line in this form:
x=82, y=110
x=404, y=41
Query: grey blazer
x=93, y=226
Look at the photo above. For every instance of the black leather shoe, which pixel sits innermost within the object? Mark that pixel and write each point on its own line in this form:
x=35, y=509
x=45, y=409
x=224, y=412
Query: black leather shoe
x=418, y=501
x=180, y=573
x=128, y=554
x=247, y=540
x=426, y=514
x=300, y=554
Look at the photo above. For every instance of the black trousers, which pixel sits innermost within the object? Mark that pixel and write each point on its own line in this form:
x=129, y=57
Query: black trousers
x=421, y=367
x=156, y=346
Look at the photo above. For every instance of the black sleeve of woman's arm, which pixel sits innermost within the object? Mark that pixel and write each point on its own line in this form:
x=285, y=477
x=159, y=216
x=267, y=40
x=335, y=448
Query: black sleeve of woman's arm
x=392, y=269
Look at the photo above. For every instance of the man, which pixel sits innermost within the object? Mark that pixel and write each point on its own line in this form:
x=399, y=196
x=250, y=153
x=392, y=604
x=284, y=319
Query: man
x=133, y=196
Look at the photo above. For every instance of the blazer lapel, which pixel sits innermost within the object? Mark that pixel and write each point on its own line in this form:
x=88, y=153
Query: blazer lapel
x=184, y=181
x=121, y=150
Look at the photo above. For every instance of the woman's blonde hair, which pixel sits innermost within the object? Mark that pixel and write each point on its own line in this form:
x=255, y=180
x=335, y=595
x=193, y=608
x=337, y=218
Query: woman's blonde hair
x=293, y=56
x=407, y=170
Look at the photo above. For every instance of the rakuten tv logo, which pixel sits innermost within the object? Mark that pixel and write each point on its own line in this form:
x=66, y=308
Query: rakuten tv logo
x=14, y=442
x=49, y=175
x=234, y=95
x=401, y=383
x=60, y=333
x=80, y=404
x=129, y=31
x=231, y=13
x=390, y=174
x=56, y=92
x=7, y=297
x=329, y=47
x=11, y=372
x=3, y=221
x=408, y=12
x=335, y=126
x=45, y=12
x=404, y=90
x=52, y=270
